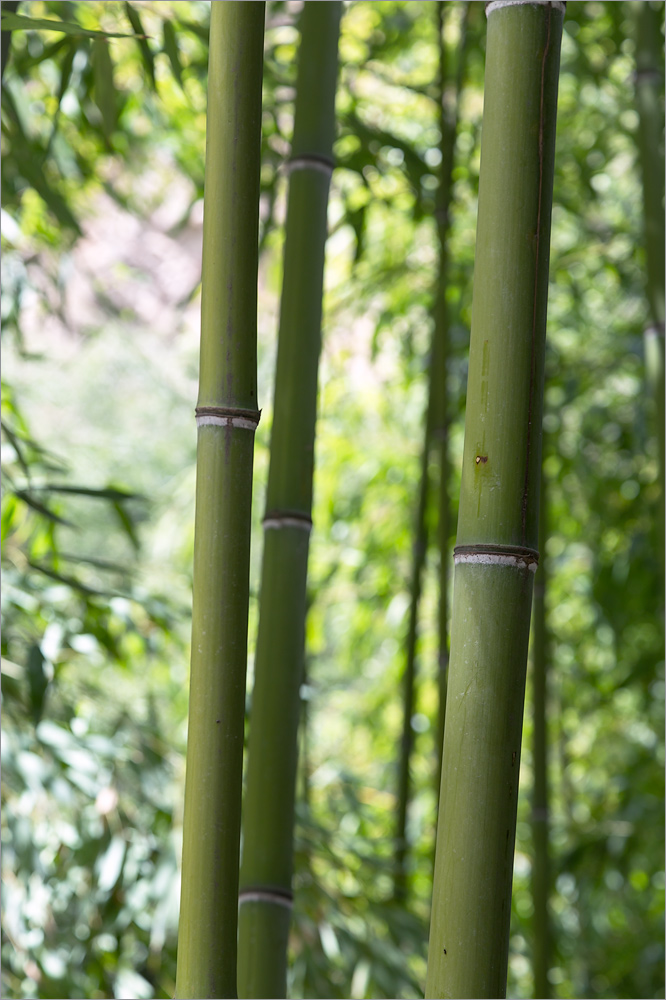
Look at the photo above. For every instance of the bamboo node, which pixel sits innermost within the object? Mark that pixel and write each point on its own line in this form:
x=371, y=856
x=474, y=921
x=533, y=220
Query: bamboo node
x=280, y=897
x=287, y=519
x=496, y=4
x=227, y=416
x=310, y=161
x=497, y=555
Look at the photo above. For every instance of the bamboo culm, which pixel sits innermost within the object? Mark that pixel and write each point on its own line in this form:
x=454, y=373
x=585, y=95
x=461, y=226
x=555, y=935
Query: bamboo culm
x=449, y=113
x=496, y=551
x=227, y=415
x=435, y=436
x=268, y=819
x=649, y=85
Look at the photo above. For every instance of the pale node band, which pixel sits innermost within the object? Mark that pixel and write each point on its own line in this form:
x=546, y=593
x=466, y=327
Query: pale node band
x=274, y=521
x=265, y=896
x=306, y=162
x=497, y=4
x=495, y=559
x=223, y=416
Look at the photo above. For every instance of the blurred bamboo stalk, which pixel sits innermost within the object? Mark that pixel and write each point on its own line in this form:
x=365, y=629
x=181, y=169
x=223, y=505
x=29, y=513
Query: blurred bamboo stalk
x=435, y=435
x=495, y=556
x=227, y=416
x=268, y=823
x=649, y=96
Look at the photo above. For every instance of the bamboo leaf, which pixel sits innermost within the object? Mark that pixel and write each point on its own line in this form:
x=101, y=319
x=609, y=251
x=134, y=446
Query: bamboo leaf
x=146, y=54
x=127, y=524
x=104, y=493
x=105, y=94
x=170, y=48
x=41, y=508
x=37, y=681
x=70, y=581
x=17, y=22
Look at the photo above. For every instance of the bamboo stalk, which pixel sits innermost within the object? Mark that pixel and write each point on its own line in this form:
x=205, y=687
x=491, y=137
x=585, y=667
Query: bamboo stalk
x=495, y=555
x=409, y=675
x=541, y=926
x=649, y=87
x=266, y=871
x=448, y=134
x=227, y=415
x=435, y=435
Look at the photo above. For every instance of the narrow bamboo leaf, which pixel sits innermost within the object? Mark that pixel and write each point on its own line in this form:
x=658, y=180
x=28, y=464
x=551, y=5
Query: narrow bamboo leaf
x=37, y=681
x=170, y=47
x=18, y=448
x=142, y=41
x=41, y=508
x=103, y=493
x=127, y=524
x=105, y=94
x=70, y=581
x=105, y=564
x=15, y=22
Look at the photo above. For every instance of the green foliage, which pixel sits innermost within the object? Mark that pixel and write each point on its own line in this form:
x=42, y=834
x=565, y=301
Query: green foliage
x=94, y=658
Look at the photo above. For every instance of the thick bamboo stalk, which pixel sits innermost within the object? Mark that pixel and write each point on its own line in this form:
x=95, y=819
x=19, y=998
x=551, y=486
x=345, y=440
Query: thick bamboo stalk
x=227, y=416
x=265, y=884
x=541, y=927
x=649, y=87
x=495, y=555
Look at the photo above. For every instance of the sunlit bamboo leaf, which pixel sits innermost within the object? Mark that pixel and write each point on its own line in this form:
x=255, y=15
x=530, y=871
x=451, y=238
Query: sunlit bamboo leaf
x=105, y=95
x=17, y=22
x=170, y=47
x=146, y=54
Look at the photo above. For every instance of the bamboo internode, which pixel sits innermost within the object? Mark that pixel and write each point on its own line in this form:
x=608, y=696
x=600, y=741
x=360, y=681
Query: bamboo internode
x=498, y=521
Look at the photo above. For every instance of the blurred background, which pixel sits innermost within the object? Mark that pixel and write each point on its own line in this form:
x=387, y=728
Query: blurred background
x=102, y=185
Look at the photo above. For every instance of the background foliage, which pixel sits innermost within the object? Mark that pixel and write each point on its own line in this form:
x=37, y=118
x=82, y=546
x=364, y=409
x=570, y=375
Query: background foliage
x=102, y=183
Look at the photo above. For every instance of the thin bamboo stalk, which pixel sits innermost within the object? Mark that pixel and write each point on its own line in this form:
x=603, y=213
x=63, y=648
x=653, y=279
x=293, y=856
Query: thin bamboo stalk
x=649, y=87
x=495, y=555
x=227, y=415
x=409, y=675
x=435, y=434
x=541, y=925
x=449, y=115
x=266, y=871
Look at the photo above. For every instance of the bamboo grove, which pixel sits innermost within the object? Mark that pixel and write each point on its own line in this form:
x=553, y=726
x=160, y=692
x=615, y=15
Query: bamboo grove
x=455, y=511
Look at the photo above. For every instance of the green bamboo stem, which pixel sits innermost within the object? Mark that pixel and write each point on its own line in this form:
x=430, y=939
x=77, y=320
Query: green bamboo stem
x=409, y=675
x=435, y=434
x=227, y=415
x=649, y=87
x=266, y=871
x=495, y=555
x=541, y=927
x=448, y=133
